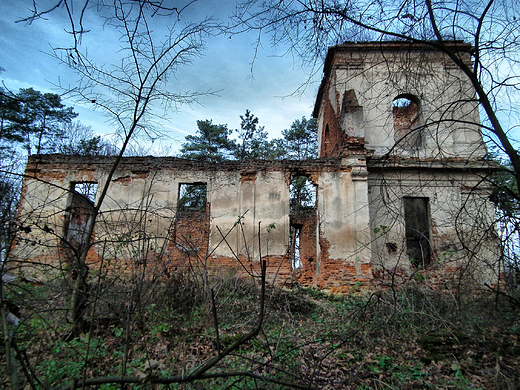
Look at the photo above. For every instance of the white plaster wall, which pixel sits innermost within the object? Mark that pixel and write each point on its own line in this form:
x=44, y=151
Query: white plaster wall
x=43, y=206
x=387, y=212
x=225, y=213
x=140, y=206
x=459, y=220
x=442, y=90
x=43, y=209
x=343, y=216
x=264, y=200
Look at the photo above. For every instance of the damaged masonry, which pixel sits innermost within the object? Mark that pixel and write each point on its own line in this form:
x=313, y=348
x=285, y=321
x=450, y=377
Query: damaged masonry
x=400, y=188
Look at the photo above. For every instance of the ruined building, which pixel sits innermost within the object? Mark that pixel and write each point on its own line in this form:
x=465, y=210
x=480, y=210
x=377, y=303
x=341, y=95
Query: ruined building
x=400, y=188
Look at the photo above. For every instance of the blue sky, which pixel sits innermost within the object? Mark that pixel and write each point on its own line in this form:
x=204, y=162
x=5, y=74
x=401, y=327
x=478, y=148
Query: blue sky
x=225, y=66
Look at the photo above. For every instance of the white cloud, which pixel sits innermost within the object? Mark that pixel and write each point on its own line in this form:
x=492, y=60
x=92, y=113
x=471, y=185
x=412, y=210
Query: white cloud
x=224, y=67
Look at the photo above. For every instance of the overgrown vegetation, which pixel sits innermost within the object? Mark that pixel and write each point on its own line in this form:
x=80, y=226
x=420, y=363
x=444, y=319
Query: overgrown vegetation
x=152, y=328
x=411, y=338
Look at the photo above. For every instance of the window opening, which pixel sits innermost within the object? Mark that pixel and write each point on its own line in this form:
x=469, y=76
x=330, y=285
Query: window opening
x=295, y=246
x=87, y=189
x=192, y=196
x=302, y=195
x=81, y=210
x=406, y=117
x=325, y=142
x=302, y=205
x=417, y=227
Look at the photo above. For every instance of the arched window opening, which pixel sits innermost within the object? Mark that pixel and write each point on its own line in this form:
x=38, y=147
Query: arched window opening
x=406, y=112
x=87, y=189
x=303, y=221
x=325, y=141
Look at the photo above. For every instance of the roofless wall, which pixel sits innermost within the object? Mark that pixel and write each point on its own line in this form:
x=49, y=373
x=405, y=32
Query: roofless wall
x=401, y=189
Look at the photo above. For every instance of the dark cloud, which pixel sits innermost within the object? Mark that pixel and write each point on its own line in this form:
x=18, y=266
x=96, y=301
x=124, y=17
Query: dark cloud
x=225, y=69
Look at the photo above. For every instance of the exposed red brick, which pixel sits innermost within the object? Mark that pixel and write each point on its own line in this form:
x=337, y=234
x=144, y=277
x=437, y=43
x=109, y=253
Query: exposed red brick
x=125, y=180
x=333, y=138
x=247, y=176
x=190, y=236
x=307, y=223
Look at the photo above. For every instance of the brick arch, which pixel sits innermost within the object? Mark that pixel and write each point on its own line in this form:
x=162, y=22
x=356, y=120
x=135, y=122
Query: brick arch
x=333, y=137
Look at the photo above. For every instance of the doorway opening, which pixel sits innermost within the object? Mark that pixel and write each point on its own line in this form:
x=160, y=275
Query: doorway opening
x=417, y=230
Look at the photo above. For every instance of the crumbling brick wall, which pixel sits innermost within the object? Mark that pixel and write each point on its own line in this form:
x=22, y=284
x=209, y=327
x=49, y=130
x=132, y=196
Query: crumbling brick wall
x=362, y=177
x=306, y=222
x=140, y=222
x=334, y=137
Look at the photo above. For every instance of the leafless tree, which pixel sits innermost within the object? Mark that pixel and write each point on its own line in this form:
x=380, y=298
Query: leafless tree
x=489, y=61
x=309, y=27
x=77, y=10
x=128, y=92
